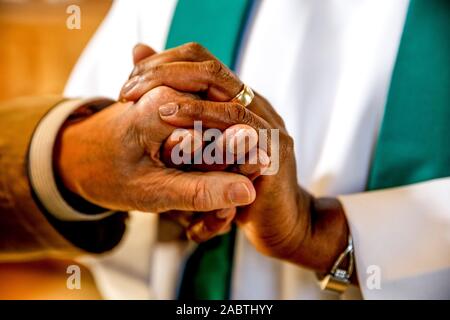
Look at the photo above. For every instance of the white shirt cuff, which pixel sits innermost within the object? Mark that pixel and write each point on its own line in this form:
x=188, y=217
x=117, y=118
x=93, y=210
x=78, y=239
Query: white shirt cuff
x=41, y=172
x=402, y=236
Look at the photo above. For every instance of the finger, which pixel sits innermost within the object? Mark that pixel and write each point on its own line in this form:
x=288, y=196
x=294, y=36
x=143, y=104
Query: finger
x=219, y=115
x=237, y=141
x=227, y=148
x=141, y=52
x=179, y=149
x=255, y=165
x=210, y=225
x=184, y=149
x=196, y=191
x=231, y=146
x=146, y=111
x=210, y=76
x=187, y=52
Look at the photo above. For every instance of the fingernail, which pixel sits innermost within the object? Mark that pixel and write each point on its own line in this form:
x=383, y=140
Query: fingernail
x=168, y=109
x=239, y=194
x=129, y=85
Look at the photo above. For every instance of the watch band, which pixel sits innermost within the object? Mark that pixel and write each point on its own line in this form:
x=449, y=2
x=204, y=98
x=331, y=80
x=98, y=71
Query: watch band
x=338, y=279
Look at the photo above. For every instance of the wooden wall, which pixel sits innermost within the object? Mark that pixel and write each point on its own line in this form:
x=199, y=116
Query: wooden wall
x=37, y=53
x=37, y=50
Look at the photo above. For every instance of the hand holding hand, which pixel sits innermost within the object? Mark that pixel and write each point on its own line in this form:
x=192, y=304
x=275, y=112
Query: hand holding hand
x=284, y=221
x=112, y=159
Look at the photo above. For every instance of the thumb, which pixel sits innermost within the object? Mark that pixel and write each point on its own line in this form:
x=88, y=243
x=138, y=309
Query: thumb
x=207, y=191
x=141, y=51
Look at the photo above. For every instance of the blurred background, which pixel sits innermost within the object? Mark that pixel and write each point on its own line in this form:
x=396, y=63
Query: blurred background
x=37, y=53
x=37, y=50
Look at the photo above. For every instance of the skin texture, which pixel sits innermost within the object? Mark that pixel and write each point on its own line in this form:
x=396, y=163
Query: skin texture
x=199, y=226
x=112, y=159
x=284, y=221
x=115, y=159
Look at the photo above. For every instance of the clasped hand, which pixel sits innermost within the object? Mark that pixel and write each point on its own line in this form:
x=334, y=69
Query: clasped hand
x=120, y=158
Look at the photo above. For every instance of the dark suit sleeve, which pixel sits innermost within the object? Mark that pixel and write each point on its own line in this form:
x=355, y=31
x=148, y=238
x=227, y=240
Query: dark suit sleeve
x=26, y=229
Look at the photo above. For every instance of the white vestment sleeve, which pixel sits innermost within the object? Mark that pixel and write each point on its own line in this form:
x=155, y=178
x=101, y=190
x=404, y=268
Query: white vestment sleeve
x=402, y=235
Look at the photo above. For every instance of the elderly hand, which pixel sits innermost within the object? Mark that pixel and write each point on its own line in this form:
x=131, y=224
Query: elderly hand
x=284, y=221
x=112, y=159
x=202, y=226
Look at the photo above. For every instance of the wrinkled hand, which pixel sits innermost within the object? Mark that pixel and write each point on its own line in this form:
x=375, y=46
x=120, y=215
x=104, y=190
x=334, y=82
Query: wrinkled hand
x=112, y=159
x=284, y=221
x=202, y=226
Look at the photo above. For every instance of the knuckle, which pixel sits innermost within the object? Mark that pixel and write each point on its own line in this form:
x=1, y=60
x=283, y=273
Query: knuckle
x=216, y=70
x=252, y=121
x=152, y=99
x=202, y=199
x=192, y=110
x=193, y=49
x=138, y=69
x=245, y=117
x=236, y=113
x=230, y=114
x=287, y=146
x=161, y=91
x=155, y=70
x=226, y=76
x=241, y=114
x=151, y=73
x=213, y=67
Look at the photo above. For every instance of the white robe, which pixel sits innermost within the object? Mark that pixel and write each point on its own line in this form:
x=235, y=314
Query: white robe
x=325, y=66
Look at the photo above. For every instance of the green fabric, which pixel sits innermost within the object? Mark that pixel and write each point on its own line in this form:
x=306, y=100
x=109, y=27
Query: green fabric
x=414, y=141
x=218, y=25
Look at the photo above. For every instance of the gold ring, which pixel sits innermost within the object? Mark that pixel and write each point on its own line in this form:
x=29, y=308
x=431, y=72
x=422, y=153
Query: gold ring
x=244, y=97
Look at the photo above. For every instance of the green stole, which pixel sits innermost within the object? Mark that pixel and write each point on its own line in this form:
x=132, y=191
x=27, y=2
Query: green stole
x=218, y=25
x=413, y=144
x=414, y=141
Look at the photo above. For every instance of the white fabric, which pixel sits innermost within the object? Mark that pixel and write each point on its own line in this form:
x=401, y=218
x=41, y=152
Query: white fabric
x=107, y=61
x=325, y=66
x=413, y=257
